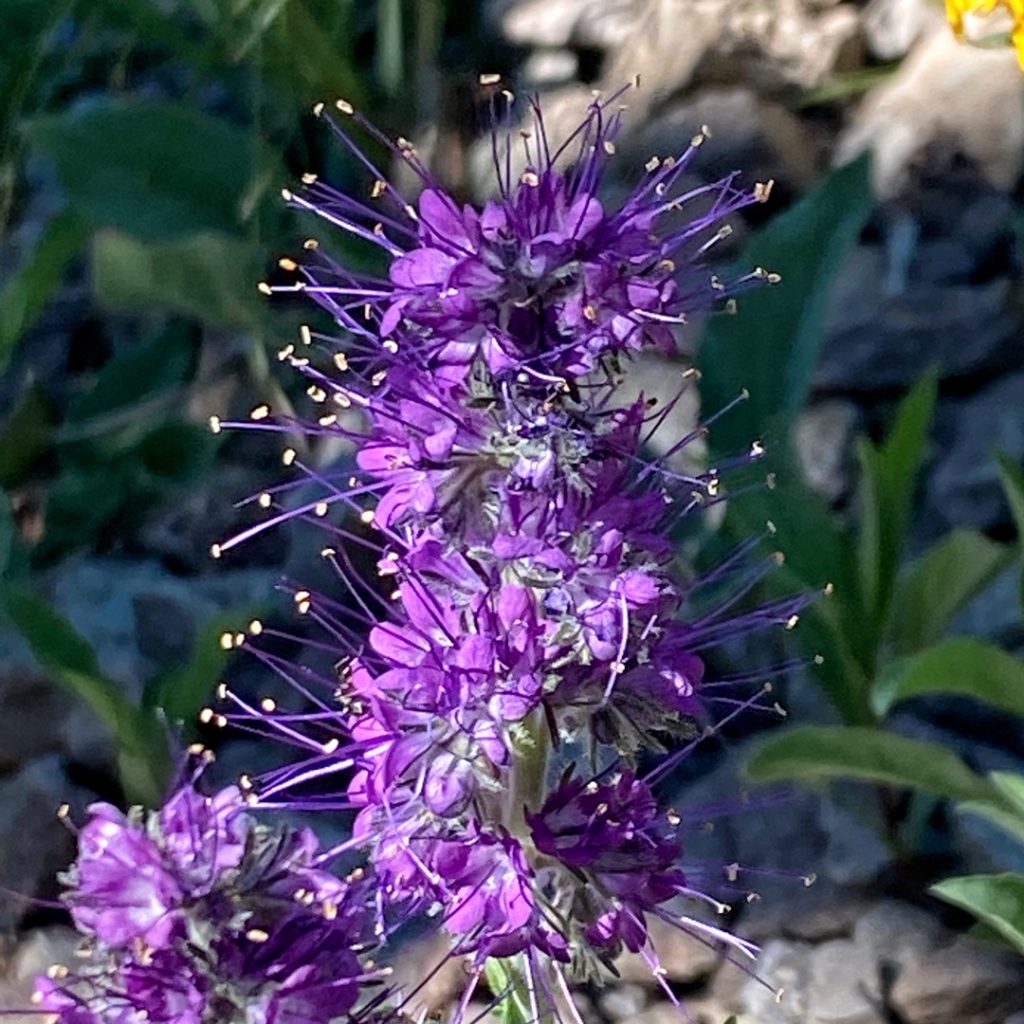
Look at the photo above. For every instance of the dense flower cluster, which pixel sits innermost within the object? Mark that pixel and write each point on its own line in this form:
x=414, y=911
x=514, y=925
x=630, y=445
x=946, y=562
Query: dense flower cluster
x=530, y=626
x=197, y=915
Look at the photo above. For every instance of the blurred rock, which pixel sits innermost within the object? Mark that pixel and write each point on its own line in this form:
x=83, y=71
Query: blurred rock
x=947, y=96
x=786, y=967
x=963, y=487
x=897, y=933
x=891, y=27
x=622, y=1002
x=823, y=440
x=550, y=67
x=35, y=953
x=557, y=23
x=963, y=982
x=748, y=131
x=35, y=844
x=32, y=713
x=845, y=987
x=880, y=342
x=139, y=617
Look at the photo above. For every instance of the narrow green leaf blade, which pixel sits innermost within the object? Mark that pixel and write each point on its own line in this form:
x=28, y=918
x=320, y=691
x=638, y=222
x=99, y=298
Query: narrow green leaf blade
x=996, y=900
x=26, y=293
x=889, y=474
x=816, y=753
x=1012, y=475
x=1011, y=786
x=959, y=665
x=932, y=590
x=771, y=346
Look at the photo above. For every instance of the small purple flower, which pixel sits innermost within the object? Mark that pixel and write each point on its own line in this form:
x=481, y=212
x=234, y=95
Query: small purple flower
x=122, y=886
x=196, y=914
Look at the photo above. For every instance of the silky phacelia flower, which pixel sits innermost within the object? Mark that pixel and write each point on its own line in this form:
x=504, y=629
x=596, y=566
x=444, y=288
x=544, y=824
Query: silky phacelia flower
x=196, y=914
x=529, y=623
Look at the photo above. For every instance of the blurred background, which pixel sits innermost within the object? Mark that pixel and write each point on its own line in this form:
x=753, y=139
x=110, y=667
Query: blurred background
x=143, y=147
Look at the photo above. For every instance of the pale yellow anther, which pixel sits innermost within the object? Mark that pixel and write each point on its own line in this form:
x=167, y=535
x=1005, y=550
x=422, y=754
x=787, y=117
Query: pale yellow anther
x=215, y=427
x=255, y=627
x=344, y=106
x=257, y=935
x=309, y=178
x=264, y=289
x=320, y=509
x=341, y=361
x=215, y=551
x=261, y=412
x=490, y=79
x=286, y=263
x=226, y=641
x=288, y=456
x=268, y=705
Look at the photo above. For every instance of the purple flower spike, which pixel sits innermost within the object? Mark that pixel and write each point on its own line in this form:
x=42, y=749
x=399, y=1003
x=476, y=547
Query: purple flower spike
x=529, y=623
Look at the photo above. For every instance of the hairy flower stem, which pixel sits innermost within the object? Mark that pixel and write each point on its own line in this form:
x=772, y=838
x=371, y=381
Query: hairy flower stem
x=528, y=775
x=508, y=975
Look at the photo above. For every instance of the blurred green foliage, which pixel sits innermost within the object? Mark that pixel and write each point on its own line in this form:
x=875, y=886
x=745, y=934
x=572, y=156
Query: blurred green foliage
x=878, y=635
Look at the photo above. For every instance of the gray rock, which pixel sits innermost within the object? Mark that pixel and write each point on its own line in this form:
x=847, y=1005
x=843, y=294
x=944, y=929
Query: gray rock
x=948, y=98
x=35, y=844
x=896, y=934
x=845, y=986
x=891, y=27
x=823, y=440
x=557, y=23
x=963, y=982
x=880, y=342
x=782, y=996
x=747, y=130
x=33, y=956
x=32, y=713
x=623, y=1002
x=550, y=67
x=855, y=854
x=963, y=488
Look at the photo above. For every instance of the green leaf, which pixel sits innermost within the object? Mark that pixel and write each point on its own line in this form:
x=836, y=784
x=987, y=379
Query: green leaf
x=506, y=975
x=815, y=753
x=25, y=437
x=888, y=479
x=182, y=692
x=29, y=289
x=1012, y=476
x=1011, y=786
x=817, y=551
x=154, y=170
x=771, y=346
x=72, y=663
x=959, y=665
x=931, y=591
x=1009, y=822
x=144, y=373
x=207, y=276
x=996, y=900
